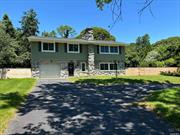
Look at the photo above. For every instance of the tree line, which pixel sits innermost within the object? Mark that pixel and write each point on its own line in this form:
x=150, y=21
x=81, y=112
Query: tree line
x=15, y=49
x=14, y=45
x=164, y=53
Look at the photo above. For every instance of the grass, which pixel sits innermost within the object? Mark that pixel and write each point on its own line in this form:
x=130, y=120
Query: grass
x=166, y=103
x=109, y=80
x=12, y=94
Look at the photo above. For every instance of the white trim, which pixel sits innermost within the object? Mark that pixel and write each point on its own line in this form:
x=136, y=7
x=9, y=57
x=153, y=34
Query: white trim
x=81, y=66
x=42, y=49
x=73, y=51
x=108, y=66
x=108, y=49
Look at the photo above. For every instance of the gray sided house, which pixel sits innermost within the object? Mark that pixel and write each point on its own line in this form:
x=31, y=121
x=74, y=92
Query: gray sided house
x=61, y=58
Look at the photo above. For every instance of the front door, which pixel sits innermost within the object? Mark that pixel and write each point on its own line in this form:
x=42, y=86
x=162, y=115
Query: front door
x=71, y=69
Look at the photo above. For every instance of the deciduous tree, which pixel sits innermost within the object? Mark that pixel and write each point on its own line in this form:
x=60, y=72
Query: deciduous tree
x=66, y=31
x=99, y=34
x=49, y=34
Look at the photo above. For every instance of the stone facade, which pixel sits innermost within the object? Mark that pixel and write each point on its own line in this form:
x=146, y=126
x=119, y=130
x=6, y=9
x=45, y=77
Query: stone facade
x=35, y=72
x=91, y=59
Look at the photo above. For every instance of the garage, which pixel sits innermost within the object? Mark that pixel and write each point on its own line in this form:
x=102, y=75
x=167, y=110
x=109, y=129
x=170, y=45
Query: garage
x=49, y=70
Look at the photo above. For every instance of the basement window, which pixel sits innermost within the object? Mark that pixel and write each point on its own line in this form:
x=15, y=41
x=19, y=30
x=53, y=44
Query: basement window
x=104, y=66
x=108, y=66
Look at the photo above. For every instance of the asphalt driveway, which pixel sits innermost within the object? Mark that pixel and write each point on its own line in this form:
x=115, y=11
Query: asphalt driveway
x=63, y=108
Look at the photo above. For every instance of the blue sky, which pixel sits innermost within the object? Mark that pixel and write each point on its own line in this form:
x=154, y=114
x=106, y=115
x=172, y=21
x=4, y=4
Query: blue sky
x=83, y=13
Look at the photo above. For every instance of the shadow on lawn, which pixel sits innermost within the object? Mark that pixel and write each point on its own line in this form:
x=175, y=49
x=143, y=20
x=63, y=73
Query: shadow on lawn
x=167, y=105
x=9, y=100
x=115, y=81
x=76, y=109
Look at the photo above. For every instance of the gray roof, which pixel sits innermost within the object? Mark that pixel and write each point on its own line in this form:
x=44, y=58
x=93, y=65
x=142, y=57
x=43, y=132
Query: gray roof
x=74, y=40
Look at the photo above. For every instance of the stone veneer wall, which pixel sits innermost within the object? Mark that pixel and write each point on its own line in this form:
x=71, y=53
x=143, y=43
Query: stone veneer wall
x=35, y=72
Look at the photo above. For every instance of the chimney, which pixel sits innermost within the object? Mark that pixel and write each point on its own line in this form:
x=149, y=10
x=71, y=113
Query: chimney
x=88, y=34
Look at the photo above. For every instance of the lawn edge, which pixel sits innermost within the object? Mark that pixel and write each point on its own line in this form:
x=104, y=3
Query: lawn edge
x=16, y=109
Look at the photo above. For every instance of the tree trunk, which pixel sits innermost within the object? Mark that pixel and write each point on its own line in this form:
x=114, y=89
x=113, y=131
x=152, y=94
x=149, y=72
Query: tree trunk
x=3, y=73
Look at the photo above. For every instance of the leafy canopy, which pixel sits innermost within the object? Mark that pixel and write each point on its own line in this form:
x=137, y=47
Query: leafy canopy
x=100, y=3
x=49, y=34
x=164, y=53
x=99, y=34
x=66, y=31
x=136, y=52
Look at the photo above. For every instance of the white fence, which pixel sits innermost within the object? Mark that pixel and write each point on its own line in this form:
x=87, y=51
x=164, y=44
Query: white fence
x=17, y=73
x=149, y=70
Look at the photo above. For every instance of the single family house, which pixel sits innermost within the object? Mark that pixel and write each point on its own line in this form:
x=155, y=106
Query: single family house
x=63, y=57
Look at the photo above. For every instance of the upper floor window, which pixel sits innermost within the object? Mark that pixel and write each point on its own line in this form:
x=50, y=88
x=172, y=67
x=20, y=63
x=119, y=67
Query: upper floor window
x=73, y=48
x=114, y=49
x=109, y=49
x=104, y=49
x=47, y=47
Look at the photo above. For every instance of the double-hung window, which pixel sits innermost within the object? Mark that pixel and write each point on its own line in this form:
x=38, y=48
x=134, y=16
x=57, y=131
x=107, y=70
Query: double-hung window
x=108, y=66
x=47, y=47
x=109, y=49
x=114, y=49
x=104, y=49
x=113, y=66
x=104, y=66
x=73, y=48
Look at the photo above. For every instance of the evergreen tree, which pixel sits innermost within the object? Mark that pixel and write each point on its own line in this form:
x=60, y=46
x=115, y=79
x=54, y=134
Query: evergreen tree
x=29, y=27
x=8, y=26
x=7, y=51
x=29, y=23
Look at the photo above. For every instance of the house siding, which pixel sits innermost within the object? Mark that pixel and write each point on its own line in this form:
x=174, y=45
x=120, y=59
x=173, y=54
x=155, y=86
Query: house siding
x=60, y=55
x=62, y=58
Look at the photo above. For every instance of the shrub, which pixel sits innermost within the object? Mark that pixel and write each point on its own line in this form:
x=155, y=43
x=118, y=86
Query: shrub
x=170, y=62
x=159, y=63
x=176, y=73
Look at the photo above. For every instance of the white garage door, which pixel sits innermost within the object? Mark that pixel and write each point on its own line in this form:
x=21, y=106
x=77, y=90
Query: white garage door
x=49, y=70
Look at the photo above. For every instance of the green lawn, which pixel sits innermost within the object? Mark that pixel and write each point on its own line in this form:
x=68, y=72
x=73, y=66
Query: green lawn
x=12, y=94
x=108, y=80
x=166, y=103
